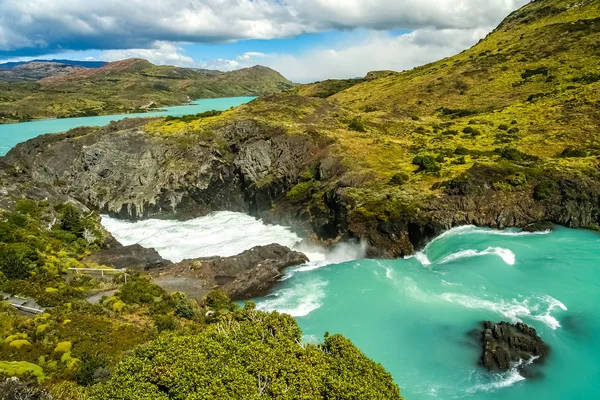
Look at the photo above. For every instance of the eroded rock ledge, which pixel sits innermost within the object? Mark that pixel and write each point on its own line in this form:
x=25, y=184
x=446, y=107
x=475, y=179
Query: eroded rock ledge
x=247, y=275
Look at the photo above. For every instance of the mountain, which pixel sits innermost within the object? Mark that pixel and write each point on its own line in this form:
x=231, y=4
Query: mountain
x=35, y=71
x=73, y=63
x=125, y=86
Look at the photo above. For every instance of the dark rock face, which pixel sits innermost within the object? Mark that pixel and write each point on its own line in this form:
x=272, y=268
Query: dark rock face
x=130, y=257
x=244, y=276
x=126, y=172
x=505, y=345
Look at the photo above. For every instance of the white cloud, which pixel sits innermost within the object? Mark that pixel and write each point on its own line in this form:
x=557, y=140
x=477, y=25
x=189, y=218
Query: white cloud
x=377, y=51
x=117, y=24
x=162, y=53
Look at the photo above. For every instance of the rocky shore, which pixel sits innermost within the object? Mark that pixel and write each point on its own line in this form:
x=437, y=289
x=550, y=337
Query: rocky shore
x=247, y=275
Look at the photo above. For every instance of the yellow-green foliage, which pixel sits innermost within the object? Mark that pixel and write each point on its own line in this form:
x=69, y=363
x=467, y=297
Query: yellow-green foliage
x=63, y=347
x=19, y=343
x=255, y=355
x=21, y=369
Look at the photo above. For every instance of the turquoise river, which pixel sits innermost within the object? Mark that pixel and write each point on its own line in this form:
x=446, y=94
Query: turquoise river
x=12, y=134
x=412, y=315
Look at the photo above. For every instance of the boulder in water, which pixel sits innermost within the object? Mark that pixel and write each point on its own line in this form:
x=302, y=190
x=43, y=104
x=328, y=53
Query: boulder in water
x=506, y=346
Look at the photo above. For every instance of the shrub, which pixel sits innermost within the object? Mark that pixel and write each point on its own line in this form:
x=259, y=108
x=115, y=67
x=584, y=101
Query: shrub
x=460, y=161
x=28, y=207
x=217, y=300
x=456, y=113
x=185, y=307
x=92, y=370
x=301, y=191
x=71, y=220
x=513, y=154
x=461, y=151
x=165, y=323
x=16, y=260
x=573, y=153
x=513, y=130
x=399, y=179
x=140, y=291
x=469, y=130
x=426, y=163
x=533, y=72
x=517, y=179
x=503, y=127
x=415, y=118
x=357, y=125
x=450, y=132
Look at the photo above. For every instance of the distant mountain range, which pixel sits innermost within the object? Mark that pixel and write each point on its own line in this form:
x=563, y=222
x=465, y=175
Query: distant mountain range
x=41, y=89
x=75, y=63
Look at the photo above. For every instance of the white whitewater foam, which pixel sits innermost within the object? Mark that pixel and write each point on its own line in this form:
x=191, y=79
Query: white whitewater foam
x=506, y=255
x=219, y=234
x=503, y=380
x=472, y=229
x=298, y=301
x=422, y=258
x=514, y=310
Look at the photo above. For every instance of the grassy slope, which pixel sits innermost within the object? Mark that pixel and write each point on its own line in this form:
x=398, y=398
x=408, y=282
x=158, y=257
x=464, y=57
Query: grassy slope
x=128, y=86
x=533, y=85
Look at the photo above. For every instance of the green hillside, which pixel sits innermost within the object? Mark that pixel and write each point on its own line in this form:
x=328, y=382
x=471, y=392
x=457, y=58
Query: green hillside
x=525, y=102
x=126, y=86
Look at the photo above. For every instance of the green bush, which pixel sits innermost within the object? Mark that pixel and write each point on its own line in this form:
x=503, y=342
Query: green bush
x=357, y=125
x=17, y=260
x=573, y=153
x=302, y=191
x=140, y=291
x=513, y=154
x=71, y=220
x=399, y=179
x=217, y=300
x=503, y=127
x=461, y=151
x=426, y=163
x=165, y=323
x=185, y=307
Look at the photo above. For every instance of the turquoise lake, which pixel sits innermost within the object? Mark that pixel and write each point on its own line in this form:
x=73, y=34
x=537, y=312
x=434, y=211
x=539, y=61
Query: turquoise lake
x=413, y=315
x=13, y=134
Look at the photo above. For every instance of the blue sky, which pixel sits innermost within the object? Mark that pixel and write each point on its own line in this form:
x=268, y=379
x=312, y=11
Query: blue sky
x=305, y=40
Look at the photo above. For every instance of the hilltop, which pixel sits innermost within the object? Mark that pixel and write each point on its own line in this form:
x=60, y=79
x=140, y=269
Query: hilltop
x=133, y=85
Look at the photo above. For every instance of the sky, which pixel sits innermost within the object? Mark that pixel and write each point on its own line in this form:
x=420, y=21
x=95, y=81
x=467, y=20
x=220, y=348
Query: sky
x=305, y=40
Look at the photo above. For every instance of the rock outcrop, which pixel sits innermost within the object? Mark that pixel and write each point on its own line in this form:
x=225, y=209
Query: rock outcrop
x=506, y=346
x=247, y=275
x=133, y=257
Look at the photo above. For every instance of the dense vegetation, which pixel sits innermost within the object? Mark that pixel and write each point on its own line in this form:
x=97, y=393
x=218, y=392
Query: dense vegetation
x=128, y=86
x=248, y=354
x=75, y=346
